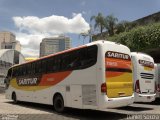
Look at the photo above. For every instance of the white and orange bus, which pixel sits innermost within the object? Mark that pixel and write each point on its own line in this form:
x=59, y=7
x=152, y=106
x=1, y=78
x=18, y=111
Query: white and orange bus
x=157, y=76
x=95, y=76
x=144, y=77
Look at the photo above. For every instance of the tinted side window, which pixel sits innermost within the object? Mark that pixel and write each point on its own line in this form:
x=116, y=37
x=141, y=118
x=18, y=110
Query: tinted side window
x=53, y=64
x=24, y=71
x=33, y=68
x=50, y=63
x=37, y=67
x=20, y=70
x=73, y=59
x=44, y=62
x=66, y=60
x=57, y=64
x=87, y=57
x=91, y=57
x=15, y=71
x=29, y=69
x=80, y=59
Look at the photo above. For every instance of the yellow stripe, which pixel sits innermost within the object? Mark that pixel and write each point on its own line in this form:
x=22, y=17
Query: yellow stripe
x=148, y=68
x=116, y=86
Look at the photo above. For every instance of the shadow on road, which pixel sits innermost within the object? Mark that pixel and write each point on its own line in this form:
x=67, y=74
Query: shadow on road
x=131, y=108
x=156, y=102
x=75, y=113
x=94, y=115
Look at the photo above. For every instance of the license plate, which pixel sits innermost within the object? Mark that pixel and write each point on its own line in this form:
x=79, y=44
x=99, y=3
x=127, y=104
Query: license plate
x=121, y=94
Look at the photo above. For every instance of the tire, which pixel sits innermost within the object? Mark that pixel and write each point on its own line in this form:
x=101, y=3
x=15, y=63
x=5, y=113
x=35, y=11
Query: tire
x=58, y=103
x=14, y=97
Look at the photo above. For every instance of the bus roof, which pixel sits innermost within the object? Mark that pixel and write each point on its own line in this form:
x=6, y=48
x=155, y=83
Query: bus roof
x=139, y=55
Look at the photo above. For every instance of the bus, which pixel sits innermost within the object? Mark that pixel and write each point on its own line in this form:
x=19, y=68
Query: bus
x=96, y=76
x=144, y=77
x=157, y=73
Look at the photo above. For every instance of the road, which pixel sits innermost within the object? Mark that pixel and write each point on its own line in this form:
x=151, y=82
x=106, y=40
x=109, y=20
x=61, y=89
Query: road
x=32, y=111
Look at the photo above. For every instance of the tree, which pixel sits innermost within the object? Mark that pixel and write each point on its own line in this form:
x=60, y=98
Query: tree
x=110, y=24
x=122, y=26
x=99, y=22
x=140, y=38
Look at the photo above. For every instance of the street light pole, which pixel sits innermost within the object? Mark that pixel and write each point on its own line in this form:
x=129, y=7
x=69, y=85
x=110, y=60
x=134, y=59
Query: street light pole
x=89, y=33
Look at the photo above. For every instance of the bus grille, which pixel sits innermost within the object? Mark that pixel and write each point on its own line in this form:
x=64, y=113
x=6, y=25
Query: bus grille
x=147, y=75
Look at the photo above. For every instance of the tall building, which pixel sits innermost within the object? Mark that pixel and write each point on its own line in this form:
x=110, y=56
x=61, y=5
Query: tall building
x=54, y=44
x=8, y=41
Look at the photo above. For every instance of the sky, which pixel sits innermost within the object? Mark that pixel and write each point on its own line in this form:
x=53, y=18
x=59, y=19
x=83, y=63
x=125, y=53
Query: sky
x=33, y=20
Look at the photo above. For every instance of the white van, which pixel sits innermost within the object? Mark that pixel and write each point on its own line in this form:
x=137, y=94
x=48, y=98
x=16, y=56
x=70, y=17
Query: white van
x=144, y=77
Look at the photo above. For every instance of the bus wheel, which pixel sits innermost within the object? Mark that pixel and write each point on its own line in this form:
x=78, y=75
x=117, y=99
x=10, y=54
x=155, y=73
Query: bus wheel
x=58, y=103
x=14, y=97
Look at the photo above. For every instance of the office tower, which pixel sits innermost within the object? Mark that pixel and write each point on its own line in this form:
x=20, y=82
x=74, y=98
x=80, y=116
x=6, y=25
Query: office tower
x=54, y=44
x=8, y=41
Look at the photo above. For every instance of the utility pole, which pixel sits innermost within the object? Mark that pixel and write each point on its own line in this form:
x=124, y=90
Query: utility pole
x=89, y=33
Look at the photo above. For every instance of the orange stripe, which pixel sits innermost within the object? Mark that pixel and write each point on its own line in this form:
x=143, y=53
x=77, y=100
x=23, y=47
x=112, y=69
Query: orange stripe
x=113, y=74
x=53, y=78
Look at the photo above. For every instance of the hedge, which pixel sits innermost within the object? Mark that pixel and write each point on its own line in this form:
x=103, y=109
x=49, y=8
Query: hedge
x=140, y=38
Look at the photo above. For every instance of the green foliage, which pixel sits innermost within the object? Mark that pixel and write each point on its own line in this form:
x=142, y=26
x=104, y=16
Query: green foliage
x=99, y=22
x=110, y=24
x=122, y=26
x=140, y=38
x=103, y=23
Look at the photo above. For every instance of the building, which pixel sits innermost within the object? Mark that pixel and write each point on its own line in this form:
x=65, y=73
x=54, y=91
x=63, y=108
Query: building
x=8, y=41
x=54, y=44
x=8, y=57
x=153, y=18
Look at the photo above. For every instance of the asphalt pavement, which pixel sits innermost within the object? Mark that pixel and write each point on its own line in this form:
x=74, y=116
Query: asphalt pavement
x=34, y=111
